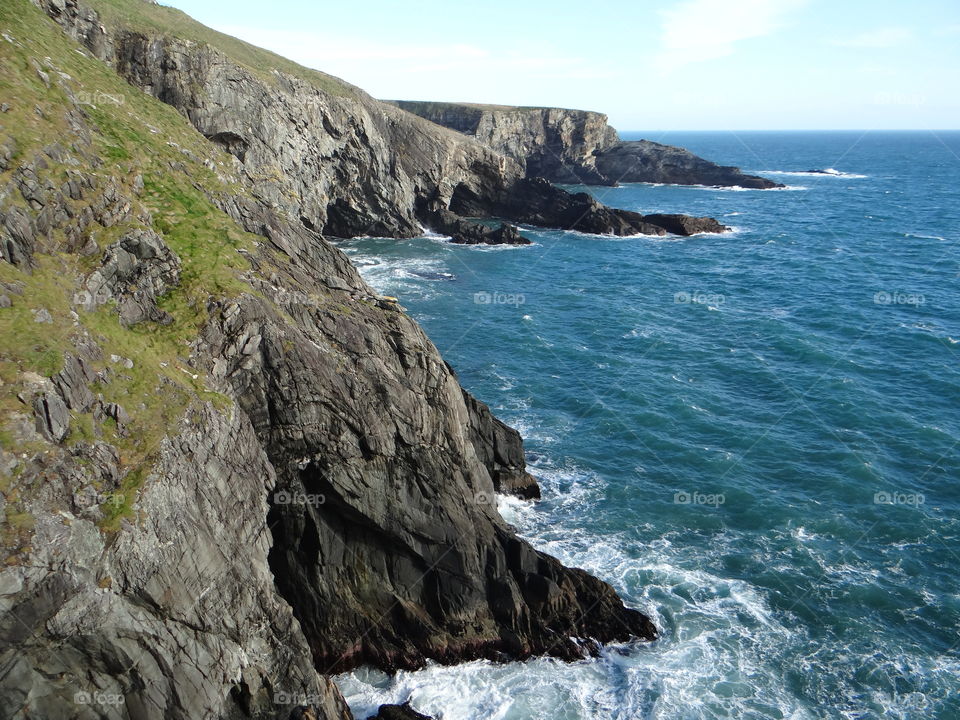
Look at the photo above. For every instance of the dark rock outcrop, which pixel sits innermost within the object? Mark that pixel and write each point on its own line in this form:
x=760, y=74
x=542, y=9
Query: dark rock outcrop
x=538, y=202
x=436, y=217
x=398, y=712
x=646, y=161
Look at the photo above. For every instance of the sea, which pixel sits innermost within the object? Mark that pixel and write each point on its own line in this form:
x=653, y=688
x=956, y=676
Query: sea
x=752, y=436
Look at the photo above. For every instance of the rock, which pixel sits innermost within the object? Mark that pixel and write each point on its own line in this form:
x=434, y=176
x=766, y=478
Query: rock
x=398, y=712
x=72, y=383
x=537, y=202
x=465, y=232
x=553, y=143
x=500, y=448
x=645, y=161
x=136, y=271
x=5, y=301
x=53, y=418
x=42, y=315
x=685, y=224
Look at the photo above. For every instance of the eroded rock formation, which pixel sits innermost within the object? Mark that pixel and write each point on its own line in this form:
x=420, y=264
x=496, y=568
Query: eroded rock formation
x=578, y=146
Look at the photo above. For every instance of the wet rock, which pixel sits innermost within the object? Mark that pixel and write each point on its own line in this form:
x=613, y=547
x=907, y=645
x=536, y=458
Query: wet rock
x=398, y=712
x=685, y=224
x=466, y=232
x=537, y=202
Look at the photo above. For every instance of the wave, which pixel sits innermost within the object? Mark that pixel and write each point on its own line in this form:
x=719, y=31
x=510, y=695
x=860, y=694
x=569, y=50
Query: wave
x=826, y=172
x=920, y=236
x=397, y=275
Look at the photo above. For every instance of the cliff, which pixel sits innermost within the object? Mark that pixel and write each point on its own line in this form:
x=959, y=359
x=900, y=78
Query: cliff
x=228, y=468
x=314, y=147
x=560, y=145
x=578, y=146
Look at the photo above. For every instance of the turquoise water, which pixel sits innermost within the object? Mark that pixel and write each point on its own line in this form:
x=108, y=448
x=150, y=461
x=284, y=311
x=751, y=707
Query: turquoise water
x=752, y=436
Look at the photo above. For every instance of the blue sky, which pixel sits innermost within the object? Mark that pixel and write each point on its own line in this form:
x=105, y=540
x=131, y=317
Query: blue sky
x=649, y=64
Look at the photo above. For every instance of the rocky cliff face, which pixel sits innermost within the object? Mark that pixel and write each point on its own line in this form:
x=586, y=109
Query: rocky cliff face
x=560, y=145
x=577, y=146
x=341, y=162
x=325, y=152
x=228, y=468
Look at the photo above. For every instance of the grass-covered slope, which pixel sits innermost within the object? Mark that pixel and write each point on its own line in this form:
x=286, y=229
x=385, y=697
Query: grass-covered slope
x=58, y=100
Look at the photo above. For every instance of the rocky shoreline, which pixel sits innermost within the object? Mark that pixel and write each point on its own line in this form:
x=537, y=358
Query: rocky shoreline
x=230, y=468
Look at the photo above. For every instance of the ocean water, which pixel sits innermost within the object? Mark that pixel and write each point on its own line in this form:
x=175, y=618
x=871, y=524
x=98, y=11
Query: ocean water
x=752, y=436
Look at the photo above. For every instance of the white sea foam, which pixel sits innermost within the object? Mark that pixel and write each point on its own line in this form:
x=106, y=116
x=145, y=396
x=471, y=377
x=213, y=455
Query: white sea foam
x=398, y=275
x=826, y=172
x=714, y=664
x=925, y=237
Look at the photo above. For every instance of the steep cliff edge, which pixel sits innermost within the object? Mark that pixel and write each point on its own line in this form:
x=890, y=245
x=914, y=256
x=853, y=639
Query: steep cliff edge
x=227, y=467
x=578, y=146
x=560, y=145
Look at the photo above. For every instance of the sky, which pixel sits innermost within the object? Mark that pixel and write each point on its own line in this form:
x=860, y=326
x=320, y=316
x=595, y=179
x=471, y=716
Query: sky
x=647, y=64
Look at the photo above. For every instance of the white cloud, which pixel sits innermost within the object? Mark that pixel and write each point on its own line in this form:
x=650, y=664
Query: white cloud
x=699, y=30
x=877, y=38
